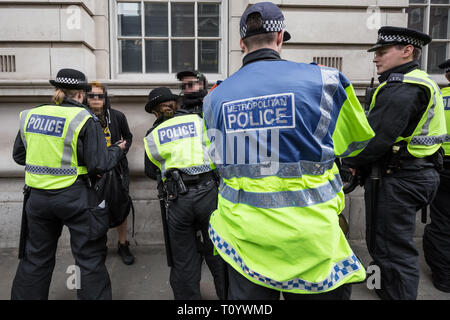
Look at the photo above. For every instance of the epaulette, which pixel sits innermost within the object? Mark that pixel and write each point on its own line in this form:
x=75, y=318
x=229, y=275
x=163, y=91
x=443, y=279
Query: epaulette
x=395, y=77
x=216, y=85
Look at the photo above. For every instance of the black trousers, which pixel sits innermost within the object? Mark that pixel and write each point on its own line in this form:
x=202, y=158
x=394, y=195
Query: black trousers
x=436, y=239
x=240, y=288
x=400, y=196
x=47, y=212
x=187, y=215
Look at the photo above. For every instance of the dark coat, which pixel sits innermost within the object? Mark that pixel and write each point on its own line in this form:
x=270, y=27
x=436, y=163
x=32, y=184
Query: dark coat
x=119, y=130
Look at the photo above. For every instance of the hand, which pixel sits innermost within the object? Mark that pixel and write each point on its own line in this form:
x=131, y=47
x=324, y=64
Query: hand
x=121, y=144
x=352, y=171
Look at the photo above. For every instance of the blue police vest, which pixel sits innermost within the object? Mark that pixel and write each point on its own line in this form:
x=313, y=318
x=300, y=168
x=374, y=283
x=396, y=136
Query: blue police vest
x=275, y=129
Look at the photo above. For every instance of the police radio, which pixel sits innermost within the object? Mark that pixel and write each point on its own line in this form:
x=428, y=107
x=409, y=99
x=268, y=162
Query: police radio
x=368, y=97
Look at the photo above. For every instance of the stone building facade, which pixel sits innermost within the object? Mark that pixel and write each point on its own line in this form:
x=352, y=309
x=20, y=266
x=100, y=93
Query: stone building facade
x=133, y=46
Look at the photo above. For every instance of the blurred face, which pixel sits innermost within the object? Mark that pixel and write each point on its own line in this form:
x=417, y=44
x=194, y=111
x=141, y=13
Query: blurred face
x=166, y=108
x=447, y=75
x=191, y=85
x=96, y=99
x=389, y=57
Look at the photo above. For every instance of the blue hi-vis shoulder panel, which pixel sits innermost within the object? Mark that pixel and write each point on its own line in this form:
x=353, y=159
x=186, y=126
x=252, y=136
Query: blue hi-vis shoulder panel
x=266, y=112
x=176, y=132
x=48, y=125
x=446, y=103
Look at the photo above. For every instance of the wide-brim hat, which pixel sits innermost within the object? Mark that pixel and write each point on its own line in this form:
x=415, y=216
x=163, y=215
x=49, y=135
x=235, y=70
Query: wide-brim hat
x=271, y=16
x=157, y=96
x=71, y=79
x=445, y=65
x=388, y=35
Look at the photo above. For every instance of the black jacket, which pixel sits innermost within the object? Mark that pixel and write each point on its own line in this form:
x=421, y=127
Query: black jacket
x=397, y=111
x=119, y=130
x=91, y=146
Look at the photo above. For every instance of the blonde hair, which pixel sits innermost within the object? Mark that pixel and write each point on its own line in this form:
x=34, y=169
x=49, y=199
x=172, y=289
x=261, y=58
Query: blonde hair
x=60, y=94
x=97, y=85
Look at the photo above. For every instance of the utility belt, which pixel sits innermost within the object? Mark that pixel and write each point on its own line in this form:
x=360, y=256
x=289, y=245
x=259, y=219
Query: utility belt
x=84, y=178
x=178, y=182
x=191, y=180
x=446, y=164
x=400, y=158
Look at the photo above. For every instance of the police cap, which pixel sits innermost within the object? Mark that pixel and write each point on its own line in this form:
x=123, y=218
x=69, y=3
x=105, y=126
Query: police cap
x=71, y=79
x=271, y=16
x=190, y=73
x=395, y=35
x=445, y=65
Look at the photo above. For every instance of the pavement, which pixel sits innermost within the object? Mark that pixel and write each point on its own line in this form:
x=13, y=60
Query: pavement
x=148, y=277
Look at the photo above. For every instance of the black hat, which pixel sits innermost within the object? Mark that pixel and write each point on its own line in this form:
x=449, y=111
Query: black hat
x=190, y=73
x=445, y=65
x=71, y=79
x=272, y=17
x=157, y=96
x=394, y=35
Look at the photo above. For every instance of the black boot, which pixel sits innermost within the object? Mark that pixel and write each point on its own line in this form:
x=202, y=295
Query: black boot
x=124, y=252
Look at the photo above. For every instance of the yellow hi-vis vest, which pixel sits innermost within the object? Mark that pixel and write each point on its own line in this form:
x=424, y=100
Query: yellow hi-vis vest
x=446, y=99
x=50, y=135
x=178, y=143
x=431, y=130
x=277, y=220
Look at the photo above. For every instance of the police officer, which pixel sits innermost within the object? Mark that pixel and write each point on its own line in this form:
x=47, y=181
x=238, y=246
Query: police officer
x=407, y=115
x=162, y=103
x=177, y=149
x=193, y=90
x=275, y=128
x=61, y=146
x=436, y=239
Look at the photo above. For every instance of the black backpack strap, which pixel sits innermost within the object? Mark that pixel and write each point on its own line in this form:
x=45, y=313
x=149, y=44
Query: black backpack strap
x=132, y=212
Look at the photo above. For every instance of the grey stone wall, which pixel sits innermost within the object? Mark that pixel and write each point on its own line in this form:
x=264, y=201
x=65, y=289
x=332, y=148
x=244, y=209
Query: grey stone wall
x=39, y=34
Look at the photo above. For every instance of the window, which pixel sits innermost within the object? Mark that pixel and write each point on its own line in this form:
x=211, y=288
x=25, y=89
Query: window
x=157, y=38
x=432, y=17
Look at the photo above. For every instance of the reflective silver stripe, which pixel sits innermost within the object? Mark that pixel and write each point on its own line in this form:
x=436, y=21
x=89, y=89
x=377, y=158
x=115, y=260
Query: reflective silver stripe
x=353, y=147
x=330, y=82
x=430, y=114
x=154, y=152
x=282, y=199
x=428, y=140
x=338, y=272
x=23, y=119
x=205, y=149
x=208, y=113
x=286, y=170
x=50, y=171
x=66, y=159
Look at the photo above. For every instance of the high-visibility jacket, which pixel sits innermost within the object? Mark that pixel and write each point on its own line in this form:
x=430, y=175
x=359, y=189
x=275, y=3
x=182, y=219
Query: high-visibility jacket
x=50, y=135
x=431, y=130
x=178, y=143
x=275, y=128
x=446, y=100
